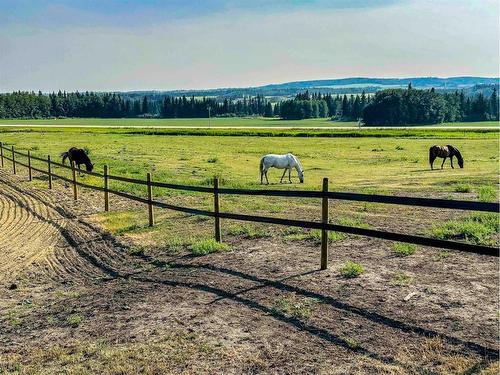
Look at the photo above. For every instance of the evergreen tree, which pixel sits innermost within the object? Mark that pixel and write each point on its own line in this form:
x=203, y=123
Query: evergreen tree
x=145, y=105
x=269, y=110
x=345, y=108
x=137, y=108
x=494, y=105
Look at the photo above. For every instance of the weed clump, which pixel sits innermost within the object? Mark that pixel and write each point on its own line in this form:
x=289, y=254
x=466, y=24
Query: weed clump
x=401, y=279
x=487, y=193
x=291, y=305
x=248, y=231
x=443, y=254
x=315, y=236
x=404, y=249
x=208, y=246
x=74, y=320
x=479, y=229
x=351, y=270
x=463, y=188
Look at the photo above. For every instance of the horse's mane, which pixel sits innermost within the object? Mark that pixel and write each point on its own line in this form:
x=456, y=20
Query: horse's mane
x=298, y=162
x=455, y=151
x=85, y=156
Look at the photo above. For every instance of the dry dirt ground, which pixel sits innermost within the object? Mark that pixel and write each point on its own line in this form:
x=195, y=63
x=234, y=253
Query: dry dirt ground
x=73, y=299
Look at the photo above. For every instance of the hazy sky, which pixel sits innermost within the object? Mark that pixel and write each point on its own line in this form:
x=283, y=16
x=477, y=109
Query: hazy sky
x=153, y=44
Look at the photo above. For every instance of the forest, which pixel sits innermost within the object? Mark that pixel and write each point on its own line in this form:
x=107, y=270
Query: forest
x=411, y=106
x=386, y=107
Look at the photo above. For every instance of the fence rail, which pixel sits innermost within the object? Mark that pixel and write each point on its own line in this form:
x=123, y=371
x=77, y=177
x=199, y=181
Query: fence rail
x=216, y=191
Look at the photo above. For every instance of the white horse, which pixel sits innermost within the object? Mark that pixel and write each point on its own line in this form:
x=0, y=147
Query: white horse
x=286, y=162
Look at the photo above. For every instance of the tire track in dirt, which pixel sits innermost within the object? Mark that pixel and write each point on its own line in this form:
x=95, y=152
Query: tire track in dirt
x=24, y=239
x=45, y=235
x=40, y=236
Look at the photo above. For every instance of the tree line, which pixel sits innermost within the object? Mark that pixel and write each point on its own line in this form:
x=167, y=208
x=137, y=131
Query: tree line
x=183, y=107
x=112, y=105
x=338, y=107
x=411, y=106
x=387, y=107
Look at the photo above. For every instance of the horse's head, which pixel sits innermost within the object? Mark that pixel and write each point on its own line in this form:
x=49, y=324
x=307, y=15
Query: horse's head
x=459, y=158
x=301, y=175
x=89, y=167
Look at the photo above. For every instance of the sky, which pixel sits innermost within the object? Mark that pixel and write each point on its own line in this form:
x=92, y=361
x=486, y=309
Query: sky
x=123, y=45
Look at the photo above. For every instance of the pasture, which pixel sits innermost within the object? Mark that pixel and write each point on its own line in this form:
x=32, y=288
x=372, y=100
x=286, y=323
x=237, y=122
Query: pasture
x=351, y=163
x=257, y=304
x=389, y=165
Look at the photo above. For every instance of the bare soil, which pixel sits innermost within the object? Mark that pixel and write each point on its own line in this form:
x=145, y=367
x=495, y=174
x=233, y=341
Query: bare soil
x=65, y=281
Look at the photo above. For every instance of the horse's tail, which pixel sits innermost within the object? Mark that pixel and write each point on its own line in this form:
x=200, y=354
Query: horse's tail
x=64, y=156
x=261, y=166
x=431, y=154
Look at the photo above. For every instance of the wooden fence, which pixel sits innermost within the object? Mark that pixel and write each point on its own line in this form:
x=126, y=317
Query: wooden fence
x=216, y=191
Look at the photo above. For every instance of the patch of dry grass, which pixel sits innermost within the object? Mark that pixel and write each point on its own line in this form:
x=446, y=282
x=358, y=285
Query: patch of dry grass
x=179, y=353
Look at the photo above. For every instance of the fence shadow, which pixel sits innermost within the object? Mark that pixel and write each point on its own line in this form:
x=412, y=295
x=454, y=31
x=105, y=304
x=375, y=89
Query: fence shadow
x=324, y=334
x=364, y=313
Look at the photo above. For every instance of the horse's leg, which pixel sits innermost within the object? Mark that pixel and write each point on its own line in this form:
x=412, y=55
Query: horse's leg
x=261, y=176
x=442, y=164
x=283, y=175
x=451, y=162
x=267, y=179
x=290, y=175
x=432, y=162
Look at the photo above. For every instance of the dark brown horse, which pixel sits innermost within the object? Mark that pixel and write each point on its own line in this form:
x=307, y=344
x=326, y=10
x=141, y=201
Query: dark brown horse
x=78, y=156
x=444, y=152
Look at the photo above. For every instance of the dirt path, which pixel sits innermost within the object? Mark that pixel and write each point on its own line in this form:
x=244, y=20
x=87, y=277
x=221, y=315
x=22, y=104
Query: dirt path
x=262, y=308
x=41, y=236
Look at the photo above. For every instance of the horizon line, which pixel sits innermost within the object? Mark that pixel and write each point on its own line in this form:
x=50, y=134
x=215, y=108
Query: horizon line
x=255, y=86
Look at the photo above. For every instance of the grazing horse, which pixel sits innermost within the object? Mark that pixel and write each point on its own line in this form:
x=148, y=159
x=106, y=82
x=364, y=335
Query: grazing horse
x=444, y=152
x=286, y=162
x=78, y=156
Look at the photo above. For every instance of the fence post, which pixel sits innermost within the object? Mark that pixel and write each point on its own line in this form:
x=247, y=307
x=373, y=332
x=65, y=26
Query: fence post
x=49, y=171
x=75, y=189
x=150, y=201
x=216, y=210
x=324, y=232
x=1, y=153
x=29, y=165
x=106, y=193
x=13, y=160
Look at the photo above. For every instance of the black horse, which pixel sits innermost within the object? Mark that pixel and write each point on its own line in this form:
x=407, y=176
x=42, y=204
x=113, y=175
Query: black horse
x=444, y=152
x=77, y=156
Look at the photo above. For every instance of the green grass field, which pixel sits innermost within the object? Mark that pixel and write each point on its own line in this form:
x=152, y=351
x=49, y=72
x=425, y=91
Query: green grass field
x=388, y=162
x=351, y=163
x=215, y=122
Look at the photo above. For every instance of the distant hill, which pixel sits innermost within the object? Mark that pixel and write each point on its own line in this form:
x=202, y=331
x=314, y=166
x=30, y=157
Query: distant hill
x=335, y=86
x=417, y=82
